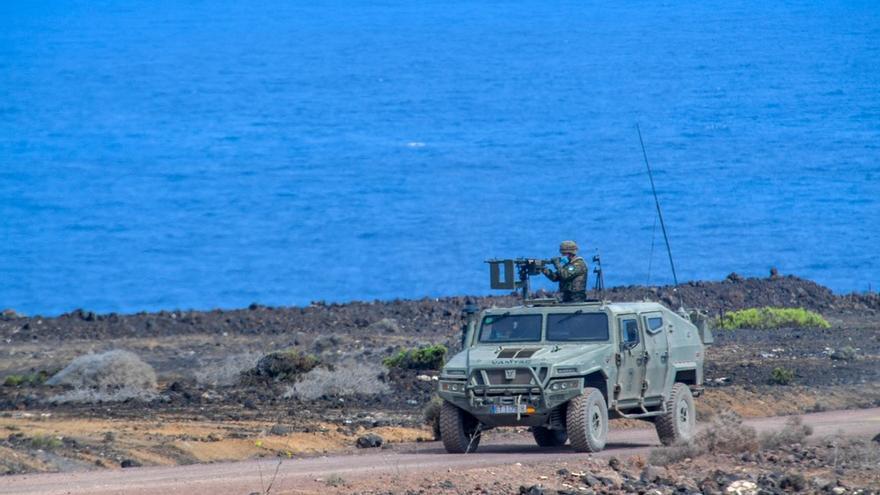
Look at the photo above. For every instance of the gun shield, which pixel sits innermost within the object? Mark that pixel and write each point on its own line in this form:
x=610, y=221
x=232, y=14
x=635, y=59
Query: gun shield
x=501, y=274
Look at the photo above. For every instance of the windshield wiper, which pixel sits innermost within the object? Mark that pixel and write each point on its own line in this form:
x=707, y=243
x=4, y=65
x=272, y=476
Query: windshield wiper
x=570, y=316
x=496, y=319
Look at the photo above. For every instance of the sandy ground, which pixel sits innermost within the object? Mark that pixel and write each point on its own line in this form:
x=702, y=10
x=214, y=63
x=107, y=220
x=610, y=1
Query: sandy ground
x=406, y=467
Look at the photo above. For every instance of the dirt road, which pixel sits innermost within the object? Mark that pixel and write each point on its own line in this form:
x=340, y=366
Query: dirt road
x=299, y=475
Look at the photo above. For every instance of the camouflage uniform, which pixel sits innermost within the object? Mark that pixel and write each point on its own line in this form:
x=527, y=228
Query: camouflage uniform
x=572, y=276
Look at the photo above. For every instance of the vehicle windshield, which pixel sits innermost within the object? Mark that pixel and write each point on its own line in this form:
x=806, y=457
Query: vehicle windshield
x=511, y=328
x=577, y=327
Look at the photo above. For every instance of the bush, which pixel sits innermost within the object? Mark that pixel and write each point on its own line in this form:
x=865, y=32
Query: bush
x=781, y=376
x=285, y=365
x=45, y=442
x=422, y=358
x=771, y=318
x=346, y=379
x=794, y=431
x=92, y=396
x=227, y=372
x=845, y=353
x=27, y=380
x=106, y=372
x=855, y=453
x=335, y=480
x=726, y=434
x=385, y=325
x=431, y=415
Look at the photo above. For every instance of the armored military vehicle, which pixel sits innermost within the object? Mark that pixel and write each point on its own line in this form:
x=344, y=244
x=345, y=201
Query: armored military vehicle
x=566, y=369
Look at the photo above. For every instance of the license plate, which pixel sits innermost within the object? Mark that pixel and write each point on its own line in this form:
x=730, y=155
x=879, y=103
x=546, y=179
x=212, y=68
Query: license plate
x=507, y=409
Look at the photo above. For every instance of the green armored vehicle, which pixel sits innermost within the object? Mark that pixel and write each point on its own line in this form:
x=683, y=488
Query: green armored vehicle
x=566, y=369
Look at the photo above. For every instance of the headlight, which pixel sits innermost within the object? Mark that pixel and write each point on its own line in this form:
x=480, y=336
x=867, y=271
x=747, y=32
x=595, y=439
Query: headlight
x=454, y=372
x=565, y=384
x=566, y=371
x=454, y=387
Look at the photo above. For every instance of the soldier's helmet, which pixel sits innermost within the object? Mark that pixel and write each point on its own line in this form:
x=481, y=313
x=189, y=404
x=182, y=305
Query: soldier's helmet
x=568, y=247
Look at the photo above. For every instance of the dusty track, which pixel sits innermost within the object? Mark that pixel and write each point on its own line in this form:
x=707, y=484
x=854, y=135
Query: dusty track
x=298, y=475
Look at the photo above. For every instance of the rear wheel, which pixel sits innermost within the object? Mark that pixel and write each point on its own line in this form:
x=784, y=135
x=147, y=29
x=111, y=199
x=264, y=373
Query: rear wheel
x=587, y=421
x=545, y=437
x=459, y=430
x=678, y=423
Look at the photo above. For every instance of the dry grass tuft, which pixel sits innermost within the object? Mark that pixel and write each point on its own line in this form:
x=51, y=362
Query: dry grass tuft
x=227, y=372
x=385, y=325
x=851, y=452
x=348, y=378
x=431, y=415
x=794, y=431
x=115, y=375
x=726, y=434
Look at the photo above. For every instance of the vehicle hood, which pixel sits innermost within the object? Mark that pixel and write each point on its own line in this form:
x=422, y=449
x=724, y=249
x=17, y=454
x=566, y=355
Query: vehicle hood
x=532, y=355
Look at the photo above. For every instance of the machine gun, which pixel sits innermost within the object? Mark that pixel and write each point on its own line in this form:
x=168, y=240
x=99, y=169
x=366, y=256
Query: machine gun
x=501, y=273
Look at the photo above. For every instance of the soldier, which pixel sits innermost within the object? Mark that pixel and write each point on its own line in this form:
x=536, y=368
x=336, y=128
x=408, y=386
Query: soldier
x=571, y=273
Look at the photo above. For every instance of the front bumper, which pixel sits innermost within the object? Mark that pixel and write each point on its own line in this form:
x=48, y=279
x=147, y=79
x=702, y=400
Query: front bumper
x=485, y=401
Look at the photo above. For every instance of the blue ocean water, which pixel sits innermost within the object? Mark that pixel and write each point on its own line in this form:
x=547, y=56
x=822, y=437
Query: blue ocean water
x=201, y=154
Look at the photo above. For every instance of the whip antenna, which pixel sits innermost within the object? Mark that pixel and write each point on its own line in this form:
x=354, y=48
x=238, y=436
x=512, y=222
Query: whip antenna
x=657, y=203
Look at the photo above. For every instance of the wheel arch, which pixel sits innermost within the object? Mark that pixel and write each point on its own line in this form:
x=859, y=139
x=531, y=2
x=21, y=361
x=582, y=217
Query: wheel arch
x=598, y=379
x=688, y=376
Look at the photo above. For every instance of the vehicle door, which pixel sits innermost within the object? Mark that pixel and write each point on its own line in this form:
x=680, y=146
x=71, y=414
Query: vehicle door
x=631, y=373
x=656, y=353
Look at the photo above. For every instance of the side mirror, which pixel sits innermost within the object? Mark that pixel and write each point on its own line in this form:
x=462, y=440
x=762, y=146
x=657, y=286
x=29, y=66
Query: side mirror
x=469, y=315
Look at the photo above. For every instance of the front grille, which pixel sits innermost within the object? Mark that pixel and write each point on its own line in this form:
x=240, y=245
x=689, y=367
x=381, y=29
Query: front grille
x=521, y=376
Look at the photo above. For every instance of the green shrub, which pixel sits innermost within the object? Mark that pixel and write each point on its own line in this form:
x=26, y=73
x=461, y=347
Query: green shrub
x=30, y=379
x=421, y=358
x=770, y=318
x=45, y=442
x=781, y=376
x=13, y=380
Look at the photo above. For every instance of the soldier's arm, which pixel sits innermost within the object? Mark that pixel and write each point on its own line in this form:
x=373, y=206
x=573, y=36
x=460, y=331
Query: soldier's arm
x=572, y=270
x=550, y=274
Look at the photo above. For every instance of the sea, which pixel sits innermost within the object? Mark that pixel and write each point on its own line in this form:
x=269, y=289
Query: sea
x=211, y=154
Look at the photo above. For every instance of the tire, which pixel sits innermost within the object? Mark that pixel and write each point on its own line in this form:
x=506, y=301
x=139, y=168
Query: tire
x=546, y=437
x=435, y=427
x=678, y=423
x=587, y=421
x=458, y=430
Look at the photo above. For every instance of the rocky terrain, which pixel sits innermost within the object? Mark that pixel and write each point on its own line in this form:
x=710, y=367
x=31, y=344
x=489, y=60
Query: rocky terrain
x=204, y=408
x=817, y=467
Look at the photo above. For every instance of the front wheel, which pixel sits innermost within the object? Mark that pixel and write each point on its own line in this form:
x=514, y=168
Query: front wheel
x=587, y=421
x=459, y=430
x=678, y=423
x=545, y=437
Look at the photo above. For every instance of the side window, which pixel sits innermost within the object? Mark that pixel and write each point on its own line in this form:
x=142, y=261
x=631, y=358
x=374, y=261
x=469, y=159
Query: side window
x=629, y=332
x=655, y=324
